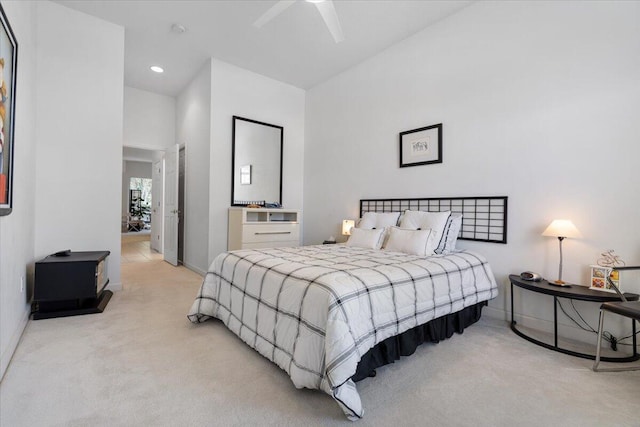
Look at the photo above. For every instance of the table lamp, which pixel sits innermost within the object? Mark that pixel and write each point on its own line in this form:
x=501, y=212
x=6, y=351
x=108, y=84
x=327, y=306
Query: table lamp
x=347, y=225
x=561, y=228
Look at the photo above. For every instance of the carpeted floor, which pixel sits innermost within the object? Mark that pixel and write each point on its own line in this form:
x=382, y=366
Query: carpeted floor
x=141, y=363
x=136, y=248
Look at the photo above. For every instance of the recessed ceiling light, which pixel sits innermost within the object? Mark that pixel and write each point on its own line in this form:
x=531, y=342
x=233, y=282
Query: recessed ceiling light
x=314, y=1
x=156, y=69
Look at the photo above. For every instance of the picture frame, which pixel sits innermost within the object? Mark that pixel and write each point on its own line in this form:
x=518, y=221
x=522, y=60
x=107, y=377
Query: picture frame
x=8, y=71
x=598, y=280
x=422, y=146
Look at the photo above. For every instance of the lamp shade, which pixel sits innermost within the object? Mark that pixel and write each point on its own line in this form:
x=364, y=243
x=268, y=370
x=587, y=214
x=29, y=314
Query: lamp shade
x=562, y=228
x=347, y=225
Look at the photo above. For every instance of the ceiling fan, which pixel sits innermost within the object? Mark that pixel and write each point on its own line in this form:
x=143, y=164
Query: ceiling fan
x=325, y=7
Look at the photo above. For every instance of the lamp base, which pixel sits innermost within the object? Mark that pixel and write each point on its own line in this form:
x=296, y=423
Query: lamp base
x=560, y=283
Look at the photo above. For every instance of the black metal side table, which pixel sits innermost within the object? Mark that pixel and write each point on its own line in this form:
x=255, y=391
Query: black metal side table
x=575, y=292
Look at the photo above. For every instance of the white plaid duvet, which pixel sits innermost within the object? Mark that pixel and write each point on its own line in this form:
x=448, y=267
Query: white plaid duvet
x=315, y=310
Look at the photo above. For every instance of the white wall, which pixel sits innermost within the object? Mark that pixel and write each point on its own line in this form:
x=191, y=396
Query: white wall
x=539, y=102
x=79, y=134
x=193, y=129
x=149, y=119
x=132, y=169
x=236, y=91
x=204, y=112
x=16, y=229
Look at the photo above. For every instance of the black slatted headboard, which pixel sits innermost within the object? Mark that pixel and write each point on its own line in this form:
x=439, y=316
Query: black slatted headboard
x=484, y=219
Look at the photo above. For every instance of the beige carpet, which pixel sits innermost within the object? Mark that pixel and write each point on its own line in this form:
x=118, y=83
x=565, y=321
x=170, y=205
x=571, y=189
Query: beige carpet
x=141, y=363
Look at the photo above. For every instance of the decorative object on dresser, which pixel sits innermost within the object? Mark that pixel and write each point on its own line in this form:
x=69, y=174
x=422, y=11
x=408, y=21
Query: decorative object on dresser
x=251, y=228
x=561, y=228
x=71, y=283
x=422, y=146
x=256, y=163
x=8, y=71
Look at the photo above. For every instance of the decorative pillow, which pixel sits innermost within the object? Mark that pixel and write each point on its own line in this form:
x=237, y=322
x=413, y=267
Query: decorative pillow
x=436, y=221
x=415, y=242
x=362, y=238
x=378, y=220
x=450, y=234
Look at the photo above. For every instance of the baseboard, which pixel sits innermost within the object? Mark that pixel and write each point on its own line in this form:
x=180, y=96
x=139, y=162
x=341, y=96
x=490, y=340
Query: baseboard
x=195, y=269
x=114, y=286
x=495, y=313
x=565, y=331
x=5, y=359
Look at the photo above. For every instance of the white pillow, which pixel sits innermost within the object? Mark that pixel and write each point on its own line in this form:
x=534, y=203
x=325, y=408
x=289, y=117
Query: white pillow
x=415, y=242
x=436, y=221
x=362, y=238
x=450, y=234
x=378, y=220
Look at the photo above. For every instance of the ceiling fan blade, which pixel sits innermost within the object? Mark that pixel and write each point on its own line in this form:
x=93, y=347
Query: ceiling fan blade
x=274, y=11
x=328, y=12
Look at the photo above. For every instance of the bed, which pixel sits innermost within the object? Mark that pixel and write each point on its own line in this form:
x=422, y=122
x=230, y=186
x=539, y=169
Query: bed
x=330, y=314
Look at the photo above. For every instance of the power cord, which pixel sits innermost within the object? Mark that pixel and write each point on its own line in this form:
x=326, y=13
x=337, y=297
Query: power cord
x=608, y=336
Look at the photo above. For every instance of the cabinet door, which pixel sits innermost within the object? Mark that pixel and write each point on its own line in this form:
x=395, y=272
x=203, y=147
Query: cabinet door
x=65, y=281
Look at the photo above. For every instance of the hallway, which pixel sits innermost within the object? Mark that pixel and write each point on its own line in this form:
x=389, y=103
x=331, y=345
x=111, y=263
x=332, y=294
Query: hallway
x=135, y=247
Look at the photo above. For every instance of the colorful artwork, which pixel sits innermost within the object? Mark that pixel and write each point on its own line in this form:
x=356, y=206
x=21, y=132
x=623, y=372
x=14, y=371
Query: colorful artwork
x=599, y=280
x=8, y=63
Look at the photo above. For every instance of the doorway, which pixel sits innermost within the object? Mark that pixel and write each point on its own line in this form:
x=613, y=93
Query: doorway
x=141, y=196
x=150, y=170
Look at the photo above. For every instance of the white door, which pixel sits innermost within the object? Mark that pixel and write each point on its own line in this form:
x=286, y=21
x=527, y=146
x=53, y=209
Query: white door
x=171, y=205
x=156, y=210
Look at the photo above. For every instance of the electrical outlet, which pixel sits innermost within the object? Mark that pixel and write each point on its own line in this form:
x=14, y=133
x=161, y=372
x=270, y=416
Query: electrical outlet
x=21, y=284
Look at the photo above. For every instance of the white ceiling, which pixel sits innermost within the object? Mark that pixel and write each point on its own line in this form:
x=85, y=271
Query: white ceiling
x=295, y=47
x=137, y=154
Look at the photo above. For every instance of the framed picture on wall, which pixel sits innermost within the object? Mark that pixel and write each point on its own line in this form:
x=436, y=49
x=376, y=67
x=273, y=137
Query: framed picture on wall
x=8, y=67
x=421, y=146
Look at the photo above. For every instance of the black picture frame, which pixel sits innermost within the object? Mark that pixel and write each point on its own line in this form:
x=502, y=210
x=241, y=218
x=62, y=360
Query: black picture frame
x=236, y=164
x=8, y=72
x=422, y=146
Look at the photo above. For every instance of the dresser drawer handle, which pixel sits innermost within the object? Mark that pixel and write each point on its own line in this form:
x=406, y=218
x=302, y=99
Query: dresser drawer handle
x=272, y=232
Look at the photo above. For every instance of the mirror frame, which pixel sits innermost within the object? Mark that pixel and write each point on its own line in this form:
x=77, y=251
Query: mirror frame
x=233, y=157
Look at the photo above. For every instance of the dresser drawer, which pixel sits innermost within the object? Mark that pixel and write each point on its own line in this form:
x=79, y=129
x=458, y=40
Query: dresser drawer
x=263, y=245
x=262, y=233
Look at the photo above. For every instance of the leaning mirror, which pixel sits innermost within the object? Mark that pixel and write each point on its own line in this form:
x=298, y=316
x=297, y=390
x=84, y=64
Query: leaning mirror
x=256, y=158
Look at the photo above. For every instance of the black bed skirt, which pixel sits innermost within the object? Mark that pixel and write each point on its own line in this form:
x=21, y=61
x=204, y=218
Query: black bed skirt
x=406, y=343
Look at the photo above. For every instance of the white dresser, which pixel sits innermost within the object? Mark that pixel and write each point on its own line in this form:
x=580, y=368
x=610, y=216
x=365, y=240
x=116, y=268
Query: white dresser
x=251, y=228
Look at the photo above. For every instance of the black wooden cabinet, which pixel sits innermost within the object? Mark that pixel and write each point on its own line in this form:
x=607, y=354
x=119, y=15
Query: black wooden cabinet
x=71, y=285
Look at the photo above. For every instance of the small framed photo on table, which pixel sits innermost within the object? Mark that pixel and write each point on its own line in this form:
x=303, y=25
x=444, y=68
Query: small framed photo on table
x=422, y=146
x=599, y=280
